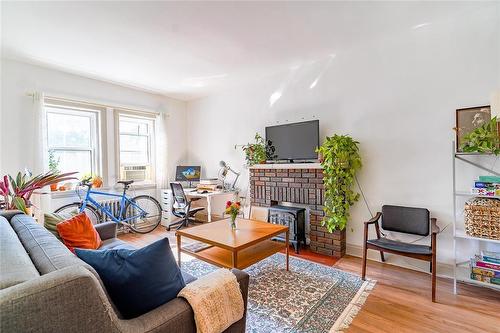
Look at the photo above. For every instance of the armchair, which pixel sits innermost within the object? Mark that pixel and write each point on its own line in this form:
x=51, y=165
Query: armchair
x=415, y=221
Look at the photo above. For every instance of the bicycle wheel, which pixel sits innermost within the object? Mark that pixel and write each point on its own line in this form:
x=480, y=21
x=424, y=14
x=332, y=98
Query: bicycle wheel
x=74, y=207
x=148, y=221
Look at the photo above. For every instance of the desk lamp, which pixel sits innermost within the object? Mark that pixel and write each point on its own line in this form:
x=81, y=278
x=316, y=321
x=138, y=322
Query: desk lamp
x=224, y=170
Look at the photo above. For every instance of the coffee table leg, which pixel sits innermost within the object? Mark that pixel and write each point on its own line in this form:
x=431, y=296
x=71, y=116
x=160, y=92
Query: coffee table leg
x=179, y=250
x=287, y=246
x=235, y=259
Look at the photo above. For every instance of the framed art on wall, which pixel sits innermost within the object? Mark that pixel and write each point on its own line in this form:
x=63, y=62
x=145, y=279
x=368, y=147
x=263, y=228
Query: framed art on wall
x=468, y=119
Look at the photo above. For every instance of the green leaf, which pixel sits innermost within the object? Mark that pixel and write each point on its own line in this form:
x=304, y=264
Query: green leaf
x=341, y=161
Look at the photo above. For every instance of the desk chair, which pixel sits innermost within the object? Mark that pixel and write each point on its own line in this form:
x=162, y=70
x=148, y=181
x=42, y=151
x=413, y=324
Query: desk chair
x=414, y=221
x=181, y=207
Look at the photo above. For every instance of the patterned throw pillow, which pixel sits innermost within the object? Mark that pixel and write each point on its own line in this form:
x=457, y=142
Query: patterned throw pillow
x=79, y=232
x=52, y=219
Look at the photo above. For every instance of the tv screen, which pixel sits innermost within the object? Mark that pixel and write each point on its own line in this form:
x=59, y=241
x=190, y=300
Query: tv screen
x=297, y=141
x=187, y=173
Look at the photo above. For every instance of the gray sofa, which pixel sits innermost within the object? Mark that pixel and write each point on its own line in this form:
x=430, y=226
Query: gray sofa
x=46, y=288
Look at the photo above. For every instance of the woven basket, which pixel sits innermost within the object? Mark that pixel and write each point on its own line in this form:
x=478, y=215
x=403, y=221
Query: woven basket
x=482, y=218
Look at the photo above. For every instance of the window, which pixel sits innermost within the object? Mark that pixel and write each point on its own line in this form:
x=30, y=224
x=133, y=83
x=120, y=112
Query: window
x=135, y=135
x=72, y=139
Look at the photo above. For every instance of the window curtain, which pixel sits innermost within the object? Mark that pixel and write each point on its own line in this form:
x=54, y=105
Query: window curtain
x=40, y=164
x=161, y=150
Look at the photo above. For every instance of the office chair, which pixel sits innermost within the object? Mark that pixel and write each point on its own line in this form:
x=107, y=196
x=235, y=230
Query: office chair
x=414, y=221
x=181, y=207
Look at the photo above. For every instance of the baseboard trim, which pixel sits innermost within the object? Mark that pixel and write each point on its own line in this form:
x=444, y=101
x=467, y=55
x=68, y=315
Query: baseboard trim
x=444, y=270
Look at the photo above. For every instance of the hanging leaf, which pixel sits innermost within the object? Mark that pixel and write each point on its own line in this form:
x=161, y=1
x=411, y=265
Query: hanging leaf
x=341, y=161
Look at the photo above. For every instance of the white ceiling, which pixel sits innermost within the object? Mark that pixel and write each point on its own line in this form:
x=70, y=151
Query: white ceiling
x=187, y=50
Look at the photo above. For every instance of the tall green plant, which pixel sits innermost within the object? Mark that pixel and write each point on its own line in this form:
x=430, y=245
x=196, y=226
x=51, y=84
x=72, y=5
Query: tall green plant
x=340, y=161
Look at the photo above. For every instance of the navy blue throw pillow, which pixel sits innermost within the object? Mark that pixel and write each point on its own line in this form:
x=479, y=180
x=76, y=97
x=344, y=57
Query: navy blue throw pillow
x=137, y=280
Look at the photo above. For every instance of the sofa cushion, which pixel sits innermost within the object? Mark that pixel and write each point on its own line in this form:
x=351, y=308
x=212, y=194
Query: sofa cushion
x=46, y=252
x=137, y=280
x=79, y=232
x=15, y=264
x=50, y=221
x=115, y=244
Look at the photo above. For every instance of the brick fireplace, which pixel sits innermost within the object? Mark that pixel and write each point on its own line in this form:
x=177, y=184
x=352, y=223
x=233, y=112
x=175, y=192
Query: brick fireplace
x=300, y=184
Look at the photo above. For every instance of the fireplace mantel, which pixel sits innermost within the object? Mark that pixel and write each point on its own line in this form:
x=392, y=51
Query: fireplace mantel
x=287, y=166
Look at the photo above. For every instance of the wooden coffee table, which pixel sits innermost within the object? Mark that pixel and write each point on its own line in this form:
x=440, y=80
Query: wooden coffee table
x=249, y=243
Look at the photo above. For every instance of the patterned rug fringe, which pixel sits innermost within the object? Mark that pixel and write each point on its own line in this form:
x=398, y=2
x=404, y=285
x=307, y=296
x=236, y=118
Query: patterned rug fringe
x=347, y=316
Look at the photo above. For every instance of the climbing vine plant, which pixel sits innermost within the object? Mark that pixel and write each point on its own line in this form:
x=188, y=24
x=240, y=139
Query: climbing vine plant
x=340, y=160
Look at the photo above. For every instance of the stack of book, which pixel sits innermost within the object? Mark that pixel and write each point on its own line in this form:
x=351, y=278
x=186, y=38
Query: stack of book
x=486, y=267
x=487, y=186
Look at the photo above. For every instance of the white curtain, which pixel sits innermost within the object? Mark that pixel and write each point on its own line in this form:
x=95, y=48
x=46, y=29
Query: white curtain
x=40, y=163
x=161, y=150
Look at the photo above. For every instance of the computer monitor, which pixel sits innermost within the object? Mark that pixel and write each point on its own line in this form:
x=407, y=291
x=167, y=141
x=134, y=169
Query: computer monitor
x=188, y=173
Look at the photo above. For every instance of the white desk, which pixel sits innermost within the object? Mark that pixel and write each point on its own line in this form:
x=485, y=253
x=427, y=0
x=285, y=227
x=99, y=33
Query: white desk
x=214, y=202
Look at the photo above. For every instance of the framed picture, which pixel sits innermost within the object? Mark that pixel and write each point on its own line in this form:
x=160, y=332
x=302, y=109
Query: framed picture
x=469, y=119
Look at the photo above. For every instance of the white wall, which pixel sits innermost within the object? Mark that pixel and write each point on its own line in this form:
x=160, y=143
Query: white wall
x=17, y=121
x=397, y=95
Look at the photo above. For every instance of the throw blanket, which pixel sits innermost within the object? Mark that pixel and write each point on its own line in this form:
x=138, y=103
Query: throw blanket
x=216, y=301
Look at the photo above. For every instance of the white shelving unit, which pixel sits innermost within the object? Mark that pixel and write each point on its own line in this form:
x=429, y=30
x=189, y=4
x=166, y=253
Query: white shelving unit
x=461, y=269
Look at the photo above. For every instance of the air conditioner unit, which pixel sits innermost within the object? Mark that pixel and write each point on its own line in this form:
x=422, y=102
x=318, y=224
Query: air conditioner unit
x=135, y=172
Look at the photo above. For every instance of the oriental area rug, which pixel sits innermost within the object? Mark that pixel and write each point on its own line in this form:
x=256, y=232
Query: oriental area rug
x=310, y=298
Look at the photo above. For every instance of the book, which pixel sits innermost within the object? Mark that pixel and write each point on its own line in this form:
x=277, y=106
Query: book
x=486, y=272
x=482, y=184
x=489, y=179
x=482, y=278
x=490, y=256
x=479, y=277
x=483, y=191
x=485, y=264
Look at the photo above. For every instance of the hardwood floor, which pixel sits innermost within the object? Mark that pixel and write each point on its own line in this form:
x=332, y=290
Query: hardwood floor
x=401, y=299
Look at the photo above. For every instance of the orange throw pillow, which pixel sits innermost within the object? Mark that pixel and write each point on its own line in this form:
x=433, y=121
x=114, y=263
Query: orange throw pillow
x=79, y=232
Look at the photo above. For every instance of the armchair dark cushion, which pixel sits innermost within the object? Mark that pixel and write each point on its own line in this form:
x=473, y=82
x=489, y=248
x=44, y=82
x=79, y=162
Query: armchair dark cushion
x=406, y=219
x=393, y=245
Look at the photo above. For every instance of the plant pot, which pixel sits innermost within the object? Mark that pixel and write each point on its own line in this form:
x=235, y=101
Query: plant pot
x=53, y=187
x=29, y=211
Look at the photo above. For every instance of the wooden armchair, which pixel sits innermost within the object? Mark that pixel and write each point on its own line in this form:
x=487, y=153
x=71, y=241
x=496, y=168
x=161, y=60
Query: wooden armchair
x=415, y=221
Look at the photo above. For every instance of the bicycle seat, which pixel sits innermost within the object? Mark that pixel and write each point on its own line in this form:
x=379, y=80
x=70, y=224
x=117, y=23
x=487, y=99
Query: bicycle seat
x=125, y=182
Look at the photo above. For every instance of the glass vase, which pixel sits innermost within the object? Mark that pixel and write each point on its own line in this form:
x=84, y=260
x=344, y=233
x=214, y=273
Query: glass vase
x=233, y=222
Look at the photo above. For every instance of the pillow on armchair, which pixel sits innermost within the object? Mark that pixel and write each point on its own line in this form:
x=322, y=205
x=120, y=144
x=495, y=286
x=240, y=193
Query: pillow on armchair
x=137, y=281
x=51, y=220
x=79, y=232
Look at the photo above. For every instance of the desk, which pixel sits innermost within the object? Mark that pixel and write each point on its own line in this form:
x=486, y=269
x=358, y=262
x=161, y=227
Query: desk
x=214, y=202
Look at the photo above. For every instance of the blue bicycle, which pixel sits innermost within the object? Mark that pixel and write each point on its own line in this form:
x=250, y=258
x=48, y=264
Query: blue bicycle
x=141, y=214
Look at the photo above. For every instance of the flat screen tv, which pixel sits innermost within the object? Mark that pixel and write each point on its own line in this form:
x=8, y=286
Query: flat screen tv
x=294, y=142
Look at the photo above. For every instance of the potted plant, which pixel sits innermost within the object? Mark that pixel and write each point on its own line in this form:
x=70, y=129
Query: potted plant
x=54, y=168
x=17, y=191
x=340, y=160
x=484, y=139
x=259, y=151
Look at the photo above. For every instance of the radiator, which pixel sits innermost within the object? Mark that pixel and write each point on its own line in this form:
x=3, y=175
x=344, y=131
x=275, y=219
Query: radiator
x=114, y=207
